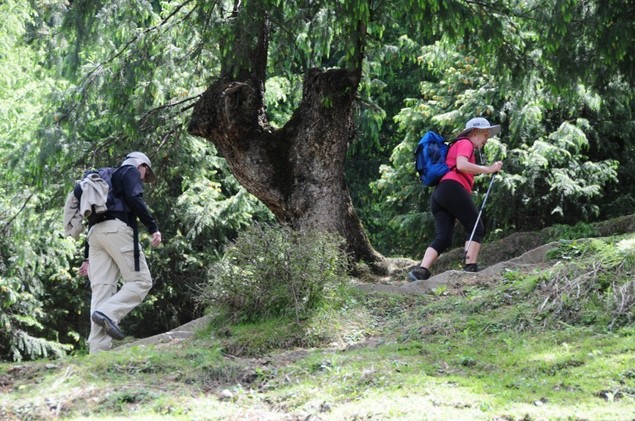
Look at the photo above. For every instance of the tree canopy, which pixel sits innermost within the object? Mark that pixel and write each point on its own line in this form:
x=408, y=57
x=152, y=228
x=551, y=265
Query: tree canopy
x=304, y=112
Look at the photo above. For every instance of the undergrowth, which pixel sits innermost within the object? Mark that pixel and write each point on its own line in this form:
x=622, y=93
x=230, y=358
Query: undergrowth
x=343, y=320
x=274, y=271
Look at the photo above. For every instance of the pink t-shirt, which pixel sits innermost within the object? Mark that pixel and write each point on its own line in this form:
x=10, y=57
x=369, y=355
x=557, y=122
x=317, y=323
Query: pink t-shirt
x=462, y=147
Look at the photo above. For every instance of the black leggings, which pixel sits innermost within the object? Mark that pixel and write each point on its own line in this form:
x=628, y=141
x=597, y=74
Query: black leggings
x=450, y=201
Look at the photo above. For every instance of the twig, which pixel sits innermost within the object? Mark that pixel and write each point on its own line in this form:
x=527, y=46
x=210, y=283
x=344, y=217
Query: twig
x=10, y=221
x=166, y=106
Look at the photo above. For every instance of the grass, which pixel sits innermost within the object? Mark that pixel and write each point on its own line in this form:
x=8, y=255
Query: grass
x=490, y=351
x=475, y=378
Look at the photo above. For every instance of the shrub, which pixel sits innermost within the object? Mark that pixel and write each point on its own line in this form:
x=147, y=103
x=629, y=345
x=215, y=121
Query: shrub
x=594, y=287
x=273, y=271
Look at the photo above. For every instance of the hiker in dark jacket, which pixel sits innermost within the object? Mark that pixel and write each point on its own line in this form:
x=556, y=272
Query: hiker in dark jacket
x=451, y=198
x=114, y=252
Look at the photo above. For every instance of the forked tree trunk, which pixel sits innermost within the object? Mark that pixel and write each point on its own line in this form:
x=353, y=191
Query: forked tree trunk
x=296, y=171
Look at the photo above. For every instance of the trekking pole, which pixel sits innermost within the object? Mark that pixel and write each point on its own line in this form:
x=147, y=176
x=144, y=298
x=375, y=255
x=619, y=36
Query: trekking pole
x=478, y=217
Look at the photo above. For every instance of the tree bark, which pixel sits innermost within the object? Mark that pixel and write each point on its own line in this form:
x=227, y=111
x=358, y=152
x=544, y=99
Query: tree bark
x=298, y=170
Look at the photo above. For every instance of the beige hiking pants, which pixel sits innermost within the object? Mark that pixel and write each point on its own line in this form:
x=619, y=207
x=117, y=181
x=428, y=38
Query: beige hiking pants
x=111, y=256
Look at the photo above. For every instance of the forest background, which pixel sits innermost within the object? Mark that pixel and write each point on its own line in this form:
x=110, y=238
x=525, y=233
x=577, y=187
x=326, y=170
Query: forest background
x=84, y=82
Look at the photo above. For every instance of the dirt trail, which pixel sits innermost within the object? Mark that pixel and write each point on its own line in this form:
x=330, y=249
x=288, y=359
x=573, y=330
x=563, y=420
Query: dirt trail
x=524, y=263
x=399, y=284
x=173, y=336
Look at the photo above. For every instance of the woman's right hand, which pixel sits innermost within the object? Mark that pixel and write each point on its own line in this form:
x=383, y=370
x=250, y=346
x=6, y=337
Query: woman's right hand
x=495, y=167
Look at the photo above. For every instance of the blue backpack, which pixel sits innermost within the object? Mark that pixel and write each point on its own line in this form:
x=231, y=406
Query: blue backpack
x=430, y=158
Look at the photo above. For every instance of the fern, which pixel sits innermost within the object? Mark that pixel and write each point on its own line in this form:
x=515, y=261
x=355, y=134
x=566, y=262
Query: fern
x=24, y=345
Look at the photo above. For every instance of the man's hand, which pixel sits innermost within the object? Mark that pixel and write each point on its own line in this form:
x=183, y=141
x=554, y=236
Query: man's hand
x=156, y=239
x=83, y=269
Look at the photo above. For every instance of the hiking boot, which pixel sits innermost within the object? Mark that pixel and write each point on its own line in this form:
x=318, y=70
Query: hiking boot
x=111, y=327
x=470, y=267
x=418, y=274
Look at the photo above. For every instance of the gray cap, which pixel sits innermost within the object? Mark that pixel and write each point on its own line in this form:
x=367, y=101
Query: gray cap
x=138, y=158
x=480, y=123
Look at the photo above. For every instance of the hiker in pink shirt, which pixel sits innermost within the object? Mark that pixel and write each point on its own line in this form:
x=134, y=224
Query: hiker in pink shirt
x=451, y=199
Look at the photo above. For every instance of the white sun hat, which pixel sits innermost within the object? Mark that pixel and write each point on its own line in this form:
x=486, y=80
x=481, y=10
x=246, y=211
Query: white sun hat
x=480, y=123
x=137, y=158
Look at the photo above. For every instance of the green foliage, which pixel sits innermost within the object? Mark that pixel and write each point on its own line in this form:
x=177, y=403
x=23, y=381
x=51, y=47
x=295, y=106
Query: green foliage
x=282, y=95
x=34, y=310
x=556, y=177
x=567, y=232
x=33, y=256
x=83, y=82
x=576, y=28
x=271, y=271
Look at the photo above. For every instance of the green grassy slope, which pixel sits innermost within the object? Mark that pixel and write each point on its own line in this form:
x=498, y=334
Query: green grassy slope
x=550, y=341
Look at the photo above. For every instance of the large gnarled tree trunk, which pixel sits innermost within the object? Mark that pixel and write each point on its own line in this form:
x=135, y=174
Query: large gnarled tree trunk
x=296, y=171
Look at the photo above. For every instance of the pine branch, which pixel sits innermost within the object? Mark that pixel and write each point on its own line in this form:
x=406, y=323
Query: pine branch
x=89, y=77
x=136, y=38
